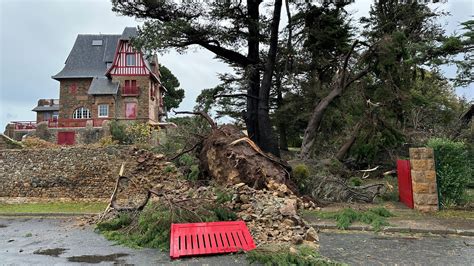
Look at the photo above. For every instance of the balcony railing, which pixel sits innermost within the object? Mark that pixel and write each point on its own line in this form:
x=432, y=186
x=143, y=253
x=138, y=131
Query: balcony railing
x=55, y=123
x=24, y=125
x=130, y=91
x=59, y=123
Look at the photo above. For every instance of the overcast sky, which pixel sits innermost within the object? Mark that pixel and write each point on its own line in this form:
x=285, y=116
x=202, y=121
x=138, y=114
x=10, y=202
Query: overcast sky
x=37, y=35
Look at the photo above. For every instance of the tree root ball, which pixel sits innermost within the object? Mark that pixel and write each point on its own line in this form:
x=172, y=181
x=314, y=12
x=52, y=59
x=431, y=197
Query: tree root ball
x=230, y=157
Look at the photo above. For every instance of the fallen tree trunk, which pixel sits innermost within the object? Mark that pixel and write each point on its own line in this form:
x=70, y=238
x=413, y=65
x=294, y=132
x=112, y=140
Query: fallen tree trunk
x=334, y=189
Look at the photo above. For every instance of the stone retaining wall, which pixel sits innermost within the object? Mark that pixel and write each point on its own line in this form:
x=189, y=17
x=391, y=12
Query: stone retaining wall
x=77, y=172
x=423, y=174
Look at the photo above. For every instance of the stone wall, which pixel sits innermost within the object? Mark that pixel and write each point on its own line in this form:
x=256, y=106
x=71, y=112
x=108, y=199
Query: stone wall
x=7, y=143
x=70, y=99
x=77, y=172
x=142, y=100
x=423, y=174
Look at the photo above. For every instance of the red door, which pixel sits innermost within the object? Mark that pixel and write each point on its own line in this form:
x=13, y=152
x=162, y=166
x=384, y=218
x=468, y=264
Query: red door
x=66, y=138
x=405, y=190
x=131, y=110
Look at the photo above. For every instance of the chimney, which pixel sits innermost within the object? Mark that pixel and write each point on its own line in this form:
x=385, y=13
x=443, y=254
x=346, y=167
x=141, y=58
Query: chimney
x=51, y=102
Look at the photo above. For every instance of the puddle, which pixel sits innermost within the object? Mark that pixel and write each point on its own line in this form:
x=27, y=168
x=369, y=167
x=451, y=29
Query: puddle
x=98, y=258
x=2, y=226
x=54, y=252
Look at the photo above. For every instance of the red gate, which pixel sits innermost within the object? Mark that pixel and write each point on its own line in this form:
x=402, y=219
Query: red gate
x=405, y=190
x=66, y=138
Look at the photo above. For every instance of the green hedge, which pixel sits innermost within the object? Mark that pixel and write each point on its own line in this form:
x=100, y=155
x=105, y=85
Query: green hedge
x=453, y=169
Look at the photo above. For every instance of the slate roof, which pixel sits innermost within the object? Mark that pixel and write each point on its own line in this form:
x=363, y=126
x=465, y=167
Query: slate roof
x=90, y=61
x=103, y=86
x=86, y=60
x=128, y=33
x=45, y=108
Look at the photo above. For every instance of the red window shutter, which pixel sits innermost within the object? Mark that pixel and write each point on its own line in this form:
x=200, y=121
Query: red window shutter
x=131, y=110
x=73, y=88
x=127, y=83
x=134, y=84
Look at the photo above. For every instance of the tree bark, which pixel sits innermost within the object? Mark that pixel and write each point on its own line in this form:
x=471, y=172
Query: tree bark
x=267, y=141
x=283, y=140
x=339, y=84
x=252, y=71
x=315, y=120
x=349, y=142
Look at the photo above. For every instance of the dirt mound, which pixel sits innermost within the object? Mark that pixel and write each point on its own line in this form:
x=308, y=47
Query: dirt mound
x=271, y=213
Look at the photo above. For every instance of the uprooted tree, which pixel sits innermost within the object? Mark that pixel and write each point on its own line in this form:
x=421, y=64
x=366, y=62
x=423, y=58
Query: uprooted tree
x=228, y=156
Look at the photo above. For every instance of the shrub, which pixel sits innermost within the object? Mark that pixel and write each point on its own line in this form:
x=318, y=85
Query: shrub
x=301, y=175
x=35, y=142
x=117, y=130
x=301, y=172
x=453, y=170
x=107, y=141
x=138, y=133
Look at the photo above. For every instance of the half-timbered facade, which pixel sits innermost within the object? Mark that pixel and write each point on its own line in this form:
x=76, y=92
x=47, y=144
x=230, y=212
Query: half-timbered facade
x=105, y=78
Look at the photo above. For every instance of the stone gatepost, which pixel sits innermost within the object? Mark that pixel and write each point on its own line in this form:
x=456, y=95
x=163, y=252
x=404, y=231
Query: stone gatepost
x=423, y=178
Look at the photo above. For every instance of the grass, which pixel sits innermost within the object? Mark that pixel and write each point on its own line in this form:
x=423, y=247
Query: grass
x=376, y=217
x=284, y=255
x=460, y=214
x=54, y=207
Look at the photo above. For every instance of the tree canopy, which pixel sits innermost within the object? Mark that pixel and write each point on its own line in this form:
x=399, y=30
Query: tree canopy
x=323, y=83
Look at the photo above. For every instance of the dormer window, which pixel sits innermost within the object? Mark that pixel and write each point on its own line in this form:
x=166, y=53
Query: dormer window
x=96, y=42
x=131, y=60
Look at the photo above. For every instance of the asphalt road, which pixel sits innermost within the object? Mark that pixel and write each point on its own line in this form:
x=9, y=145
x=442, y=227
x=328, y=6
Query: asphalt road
x=58, y=241
x=401, y=249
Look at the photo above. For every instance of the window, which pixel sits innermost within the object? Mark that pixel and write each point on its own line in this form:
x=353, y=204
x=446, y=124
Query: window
x=130, y=60
x=130, y=87
x=103, y=110
x=81, y=113
x=131, y=110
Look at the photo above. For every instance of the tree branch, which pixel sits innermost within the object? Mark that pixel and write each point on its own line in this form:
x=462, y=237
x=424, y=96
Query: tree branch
x=184, y=151
x=346, y=62
x=201, y=113
x=235, y=95
x=230, y=55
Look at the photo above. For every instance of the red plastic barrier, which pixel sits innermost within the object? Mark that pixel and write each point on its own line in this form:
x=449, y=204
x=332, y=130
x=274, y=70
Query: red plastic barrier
x=209, y=238
x=405, y=190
